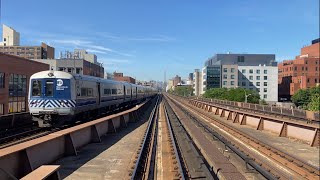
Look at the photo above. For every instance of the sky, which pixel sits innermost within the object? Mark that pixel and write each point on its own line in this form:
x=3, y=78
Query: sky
x=144, y=38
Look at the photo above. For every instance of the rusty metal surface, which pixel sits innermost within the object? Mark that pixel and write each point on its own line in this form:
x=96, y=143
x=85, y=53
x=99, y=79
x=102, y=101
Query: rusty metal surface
x=300, y=167
x=21, y=159
x=219, y=163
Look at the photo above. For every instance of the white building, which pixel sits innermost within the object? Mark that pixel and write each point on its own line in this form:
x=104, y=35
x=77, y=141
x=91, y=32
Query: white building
x=10, y=37
x=83, y=54
x=263, y=79
x=197, y=83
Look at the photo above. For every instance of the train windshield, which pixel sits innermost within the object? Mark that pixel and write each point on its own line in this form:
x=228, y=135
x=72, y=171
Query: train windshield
x=49, y=88
x=36, y=88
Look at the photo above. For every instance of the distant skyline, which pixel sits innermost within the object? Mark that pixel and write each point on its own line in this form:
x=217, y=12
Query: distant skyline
x=142, y=39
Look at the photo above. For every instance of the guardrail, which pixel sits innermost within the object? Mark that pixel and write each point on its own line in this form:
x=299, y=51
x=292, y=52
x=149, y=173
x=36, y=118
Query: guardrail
x=21, y=159
x=294, y=113
x=14, y=120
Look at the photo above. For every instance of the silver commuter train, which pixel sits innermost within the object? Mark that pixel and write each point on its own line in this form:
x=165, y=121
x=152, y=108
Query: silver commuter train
x=57, y=96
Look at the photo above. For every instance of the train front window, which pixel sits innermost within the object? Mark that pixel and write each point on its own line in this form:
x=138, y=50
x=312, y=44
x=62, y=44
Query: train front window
x=49, y=88
x=36, y=88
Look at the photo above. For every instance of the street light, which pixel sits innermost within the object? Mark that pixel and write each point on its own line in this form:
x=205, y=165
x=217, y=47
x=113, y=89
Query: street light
x=246, y=96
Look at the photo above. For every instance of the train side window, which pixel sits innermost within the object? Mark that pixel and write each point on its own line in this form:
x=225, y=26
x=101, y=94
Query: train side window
x=107, y=91
x=36, y=88
x=114, y=91
x=49, y=88
x=90, y=92
x=84, y=92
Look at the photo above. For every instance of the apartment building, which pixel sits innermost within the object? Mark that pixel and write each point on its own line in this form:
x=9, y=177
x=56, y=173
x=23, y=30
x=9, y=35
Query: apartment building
x=197, y=82
x=300, y=73
x=242, y=70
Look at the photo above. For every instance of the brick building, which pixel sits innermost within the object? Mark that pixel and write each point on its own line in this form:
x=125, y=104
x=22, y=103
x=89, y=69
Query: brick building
x=30, y=52
x=74, y=66
x=120, y=77
x=300, y=73
x=15, y=74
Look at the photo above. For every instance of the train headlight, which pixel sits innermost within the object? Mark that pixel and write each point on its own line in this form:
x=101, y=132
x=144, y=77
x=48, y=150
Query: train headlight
x=62, y=104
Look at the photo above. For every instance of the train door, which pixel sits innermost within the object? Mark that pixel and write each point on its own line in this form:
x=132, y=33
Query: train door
x=124, y=92
x=99, y=94
x=48, y=94
x=136, y=92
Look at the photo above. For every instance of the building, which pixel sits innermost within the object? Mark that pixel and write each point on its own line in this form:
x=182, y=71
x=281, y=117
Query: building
x=11, y=45
x=74, y=66
x=169, y=85
x=197, y=82
x=210, y=77
x=79, y=54
x=108, y=76
x=176, y=80
x=251, y=71
x=300, y=73
x=15, y=74
x=30, y=52
x=120, y=77
x=10, y=37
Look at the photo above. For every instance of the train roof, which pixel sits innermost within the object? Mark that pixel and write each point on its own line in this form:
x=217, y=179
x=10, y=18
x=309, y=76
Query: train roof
x=66, y=75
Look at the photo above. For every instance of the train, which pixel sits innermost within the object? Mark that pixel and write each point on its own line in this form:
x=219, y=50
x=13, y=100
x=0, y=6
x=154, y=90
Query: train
x=57, y=97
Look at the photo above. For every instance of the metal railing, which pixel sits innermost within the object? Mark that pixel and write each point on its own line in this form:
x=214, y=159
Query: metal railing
x=295, y=113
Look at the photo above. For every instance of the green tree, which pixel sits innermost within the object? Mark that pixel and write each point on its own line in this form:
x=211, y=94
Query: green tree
x=314, y=105
x=307, y=98
x=232, y=94
x=183, y=90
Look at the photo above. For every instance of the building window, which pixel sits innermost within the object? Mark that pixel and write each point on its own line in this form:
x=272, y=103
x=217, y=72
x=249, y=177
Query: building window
x=258, y=83
x=232, y=83
x=258, y=71
x=225, y=76
x=265, y=84
x=258, y=77
x=316, y=61
x=2, y=80
x=295, y=68
x=306, y=68
x=306, y=62
x=265, y=96
x=251, y=77
x=232, y=70
x=17, y=93
x=232, y=76
x=265, y=89
x=78, y=70
x=308, y=80
x=258, y=90
x=61, y=69
x=265, y=77
x=4, y=39
x=302, y=68
x=316, y=80
x=316, y=68
x=244, y=84
x=240, y=58
x=243, y=71
x=224, y=83
x=225, y=70
x=70, y=70
x=251, y=84
x=251, y=71
x=265, y=71
x=4, y=44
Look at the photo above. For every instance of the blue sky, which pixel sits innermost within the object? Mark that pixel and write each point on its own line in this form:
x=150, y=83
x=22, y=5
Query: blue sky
x=143, y=38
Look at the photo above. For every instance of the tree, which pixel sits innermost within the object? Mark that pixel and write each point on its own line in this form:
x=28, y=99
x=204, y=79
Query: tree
x=183, y=90
x=308, y=99
x=232, y=94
